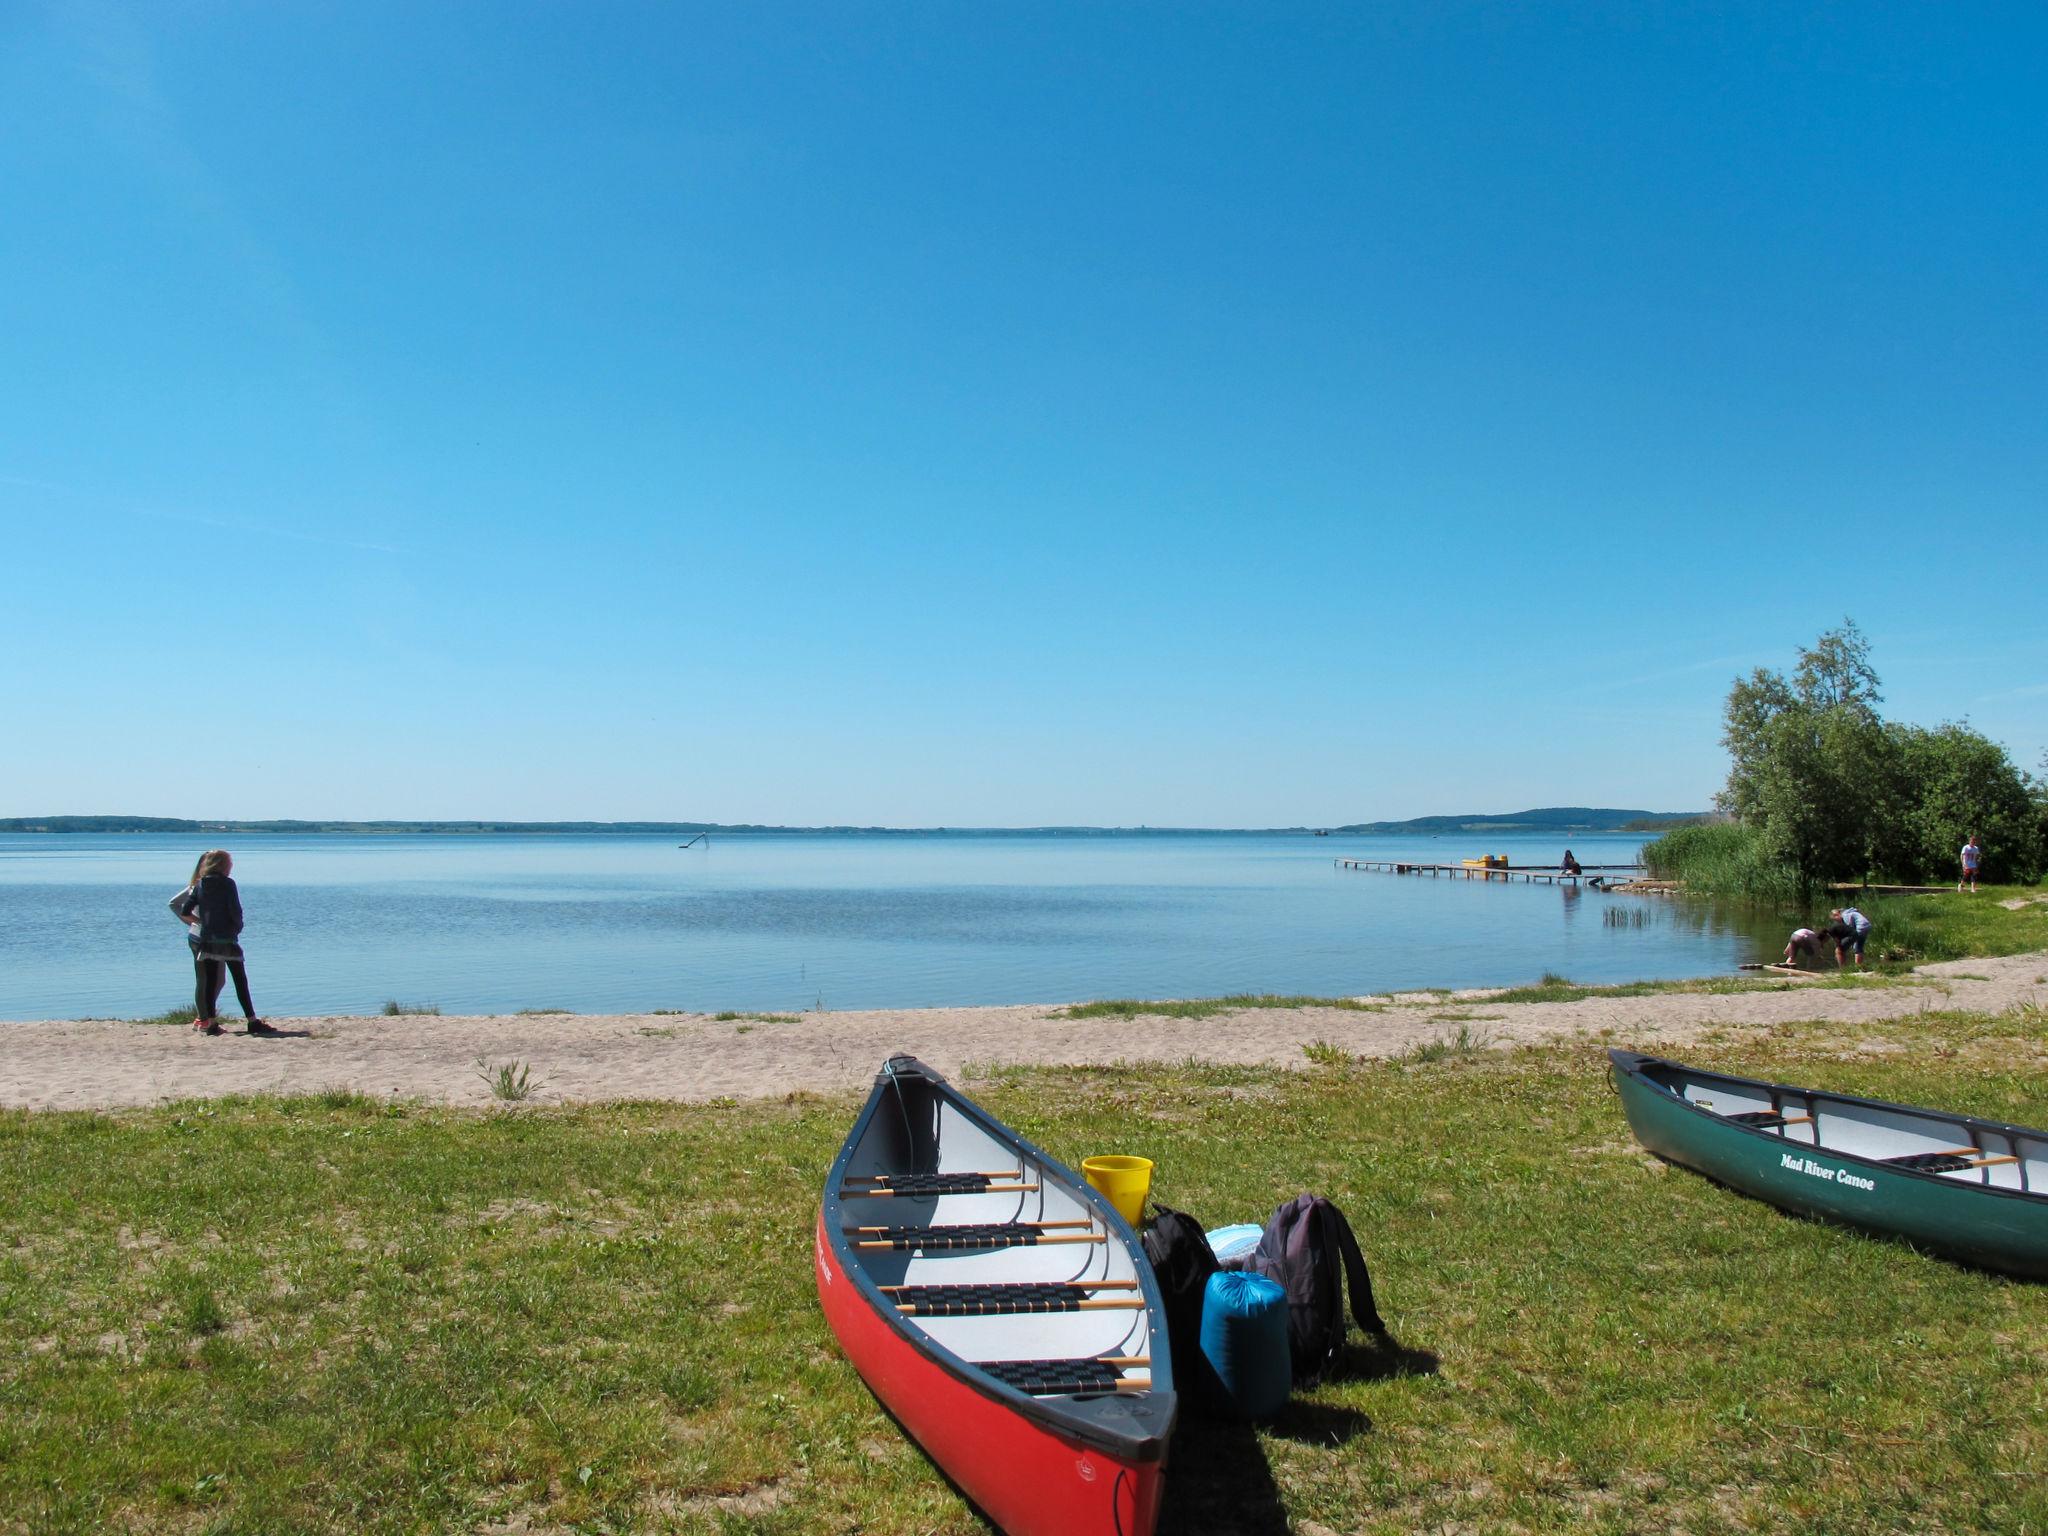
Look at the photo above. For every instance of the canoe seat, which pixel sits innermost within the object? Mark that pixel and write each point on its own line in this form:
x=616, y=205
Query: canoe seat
x=1049, y=1377
x=929, y=1184
x=1932, y=1162
x=997, y=1299
x=998, y=1234
x=1762, y=1119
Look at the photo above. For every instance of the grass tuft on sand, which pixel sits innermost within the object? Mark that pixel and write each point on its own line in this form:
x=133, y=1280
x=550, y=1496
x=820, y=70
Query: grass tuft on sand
x=1209, y=1007
x=331, y=1314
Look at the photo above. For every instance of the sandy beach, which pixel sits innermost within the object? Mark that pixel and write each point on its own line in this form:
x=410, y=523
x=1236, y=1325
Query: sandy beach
x=101, y=1064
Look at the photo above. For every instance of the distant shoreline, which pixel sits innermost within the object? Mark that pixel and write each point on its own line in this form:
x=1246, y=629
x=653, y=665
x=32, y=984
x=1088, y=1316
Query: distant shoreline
x=1573, y=821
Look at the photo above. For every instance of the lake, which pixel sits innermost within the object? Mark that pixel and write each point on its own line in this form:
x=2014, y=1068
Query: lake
x=598, y=924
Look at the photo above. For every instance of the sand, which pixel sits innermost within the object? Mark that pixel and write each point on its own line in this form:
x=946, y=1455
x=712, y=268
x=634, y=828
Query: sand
x=101, y=1064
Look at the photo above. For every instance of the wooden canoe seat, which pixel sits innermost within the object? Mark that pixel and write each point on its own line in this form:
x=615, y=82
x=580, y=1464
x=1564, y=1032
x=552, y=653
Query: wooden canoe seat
x=1931, y=1162
x=925, y=1185
x=1000, y=1299
x=964, y=1238
x=1955, y=1160
x=1045, y=1378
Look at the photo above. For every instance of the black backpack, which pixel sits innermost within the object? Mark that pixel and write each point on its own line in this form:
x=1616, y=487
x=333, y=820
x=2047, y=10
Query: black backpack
x=1302, y=1248
x=1182, y=1261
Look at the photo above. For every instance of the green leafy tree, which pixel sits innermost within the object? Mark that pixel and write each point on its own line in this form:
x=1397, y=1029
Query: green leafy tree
x=1831, y=792
x=1960, y=782
x=1810, y=766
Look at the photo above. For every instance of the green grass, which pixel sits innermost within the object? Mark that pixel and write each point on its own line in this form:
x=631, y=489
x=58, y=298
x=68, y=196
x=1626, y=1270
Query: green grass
x=1208, y=1007
x=1556, y=989
x=1951, y=925
x=331, y=1314
x=174, y=1016
x=394, y=1009
x=757, y=1018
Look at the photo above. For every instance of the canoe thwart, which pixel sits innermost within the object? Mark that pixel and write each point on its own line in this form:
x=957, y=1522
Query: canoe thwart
x=1766, y=1119
x=992, y=1234
x=1044, y=1378
x=900, y=1179
x=1000, y=1299
x=1072, y=1285
x=931, y=1185
x=1007, y=1226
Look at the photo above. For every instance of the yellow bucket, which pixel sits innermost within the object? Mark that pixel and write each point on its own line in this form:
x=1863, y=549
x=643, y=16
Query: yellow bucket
x=1125, y=1181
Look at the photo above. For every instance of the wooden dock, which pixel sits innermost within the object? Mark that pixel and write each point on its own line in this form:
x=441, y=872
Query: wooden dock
x=1535, y=874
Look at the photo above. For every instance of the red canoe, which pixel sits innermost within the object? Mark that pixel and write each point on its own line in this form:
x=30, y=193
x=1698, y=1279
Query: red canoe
x=1000, y=1309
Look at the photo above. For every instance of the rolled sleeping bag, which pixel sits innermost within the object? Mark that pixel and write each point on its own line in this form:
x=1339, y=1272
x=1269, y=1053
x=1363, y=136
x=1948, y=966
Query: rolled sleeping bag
x=1244, y=1341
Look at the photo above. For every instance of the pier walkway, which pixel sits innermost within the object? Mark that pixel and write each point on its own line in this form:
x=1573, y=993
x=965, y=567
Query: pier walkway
x=1548, y=874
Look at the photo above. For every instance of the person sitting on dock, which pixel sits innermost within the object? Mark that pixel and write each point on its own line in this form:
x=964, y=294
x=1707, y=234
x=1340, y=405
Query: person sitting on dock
x=1803, y=945
x=1570, y=865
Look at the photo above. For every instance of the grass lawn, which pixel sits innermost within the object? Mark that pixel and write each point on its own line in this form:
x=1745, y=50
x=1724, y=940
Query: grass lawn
x=334, y=1315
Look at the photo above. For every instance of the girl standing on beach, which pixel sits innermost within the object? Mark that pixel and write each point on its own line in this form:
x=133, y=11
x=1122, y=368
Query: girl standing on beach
x=211, y=908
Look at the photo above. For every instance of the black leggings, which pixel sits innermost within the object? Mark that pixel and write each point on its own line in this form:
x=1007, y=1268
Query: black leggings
x=206, y=996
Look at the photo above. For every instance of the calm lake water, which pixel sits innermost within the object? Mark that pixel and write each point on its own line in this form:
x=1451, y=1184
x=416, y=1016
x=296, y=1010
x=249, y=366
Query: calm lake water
x=490, y=924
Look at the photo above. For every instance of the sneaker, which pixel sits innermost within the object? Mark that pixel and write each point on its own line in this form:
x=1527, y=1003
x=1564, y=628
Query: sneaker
x=258, y=1027
x=209, y=1027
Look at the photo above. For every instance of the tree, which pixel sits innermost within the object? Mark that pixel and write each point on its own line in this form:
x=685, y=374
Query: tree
x=1832, y=792
x=1809, y=764
x=1836, y=672
x=1960, y=782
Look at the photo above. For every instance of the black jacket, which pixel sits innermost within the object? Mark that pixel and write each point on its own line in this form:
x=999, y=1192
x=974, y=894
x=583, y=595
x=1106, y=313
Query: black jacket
x=217, y=905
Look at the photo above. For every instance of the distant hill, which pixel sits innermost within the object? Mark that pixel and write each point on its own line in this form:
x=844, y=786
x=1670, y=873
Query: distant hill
x=1552, y=818
x=211, y=828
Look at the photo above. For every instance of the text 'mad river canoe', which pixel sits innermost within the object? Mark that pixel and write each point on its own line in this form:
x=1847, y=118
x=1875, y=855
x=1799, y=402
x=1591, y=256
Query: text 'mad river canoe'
x=1974, y=1189
x=1000, y=1309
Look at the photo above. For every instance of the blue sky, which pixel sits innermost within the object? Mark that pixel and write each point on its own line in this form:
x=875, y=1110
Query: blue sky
x=1001, y=414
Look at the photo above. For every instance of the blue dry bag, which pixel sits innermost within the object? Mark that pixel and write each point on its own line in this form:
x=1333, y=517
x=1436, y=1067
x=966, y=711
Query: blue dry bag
x=1244, y=1339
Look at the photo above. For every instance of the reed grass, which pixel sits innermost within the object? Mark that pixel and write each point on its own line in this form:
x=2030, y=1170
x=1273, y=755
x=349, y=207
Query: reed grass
x=511, y=1081
x=1721, y=858
x=394, y=1009
x=171, y=1016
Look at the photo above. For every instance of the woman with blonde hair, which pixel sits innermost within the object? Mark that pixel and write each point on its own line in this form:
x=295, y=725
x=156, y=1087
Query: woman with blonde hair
x=211, y=909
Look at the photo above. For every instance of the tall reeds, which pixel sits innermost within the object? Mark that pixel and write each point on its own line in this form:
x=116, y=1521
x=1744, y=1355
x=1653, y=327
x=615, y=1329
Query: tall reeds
x=1722, y=858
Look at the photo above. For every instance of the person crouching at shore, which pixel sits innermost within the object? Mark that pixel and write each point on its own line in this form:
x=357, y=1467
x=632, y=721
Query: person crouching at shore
x=1803, y=945
x=211, y=910
x=1849, y=929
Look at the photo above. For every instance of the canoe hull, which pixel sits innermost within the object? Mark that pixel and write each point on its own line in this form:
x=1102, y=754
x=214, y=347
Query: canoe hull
x=1028, y=1480
x=1000, y=1308
x=1994, y=1228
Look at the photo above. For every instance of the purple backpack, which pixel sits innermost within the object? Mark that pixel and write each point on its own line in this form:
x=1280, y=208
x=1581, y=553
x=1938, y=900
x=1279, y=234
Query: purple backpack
x=1308, y=1248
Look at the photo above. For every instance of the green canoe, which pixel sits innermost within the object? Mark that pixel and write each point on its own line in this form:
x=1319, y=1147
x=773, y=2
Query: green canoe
x=1973, y=1189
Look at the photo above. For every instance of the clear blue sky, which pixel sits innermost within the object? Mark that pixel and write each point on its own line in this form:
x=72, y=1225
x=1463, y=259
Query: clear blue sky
x=1001, y=414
